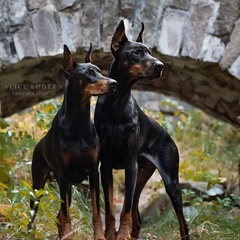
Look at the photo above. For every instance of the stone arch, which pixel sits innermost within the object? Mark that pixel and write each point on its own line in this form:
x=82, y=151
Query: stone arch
x=198, y=41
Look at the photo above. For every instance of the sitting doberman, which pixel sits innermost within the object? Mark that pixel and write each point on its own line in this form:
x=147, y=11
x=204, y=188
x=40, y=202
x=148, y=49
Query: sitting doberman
x=131, y=140
x=70, y=149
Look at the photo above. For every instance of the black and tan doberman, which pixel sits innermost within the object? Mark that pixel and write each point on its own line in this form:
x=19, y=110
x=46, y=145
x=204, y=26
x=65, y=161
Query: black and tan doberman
x=131, y=140
x=70, y=149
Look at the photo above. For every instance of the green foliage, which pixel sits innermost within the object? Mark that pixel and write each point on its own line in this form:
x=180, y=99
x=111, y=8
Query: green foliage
x=6, y=179
x=45, y=114
x=190, y=197
x=209, y=152
x=3, y=123
x=208, y=147
x=18, y=137
x=208, y=220
x=207, y=177
x=20, y=213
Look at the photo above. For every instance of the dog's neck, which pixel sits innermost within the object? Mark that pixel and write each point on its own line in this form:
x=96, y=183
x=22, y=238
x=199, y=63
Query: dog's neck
x=75, y=110
x=123, y=92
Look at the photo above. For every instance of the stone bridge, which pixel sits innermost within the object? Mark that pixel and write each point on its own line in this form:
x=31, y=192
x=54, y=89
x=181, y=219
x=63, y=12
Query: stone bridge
x=198, y=41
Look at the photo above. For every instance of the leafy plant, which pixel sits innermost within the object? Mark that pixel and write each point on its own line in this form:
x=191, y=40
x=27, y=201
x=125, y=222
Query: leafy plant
x=209, y=152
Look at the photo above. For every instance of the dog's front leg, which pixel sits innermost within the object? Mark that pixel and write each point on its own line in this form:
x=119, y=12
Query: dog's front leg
x=107, y=183
x=96, y=217
x=126, y=214
x=64, y=226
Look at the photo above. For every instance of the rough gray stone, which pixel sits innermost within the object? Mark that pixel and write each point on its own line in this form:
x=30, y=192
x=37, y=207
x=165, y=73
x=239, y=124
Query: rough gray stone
x=7, y=51
x=62, y=4
x=233, y=47
x=90, y=23
x=3, y=53
x=212, y=50
x=210, y=39
x=202, y=13
x=170, y=40
x=228, y=13
x=149, y=12
x=2, y=31
x=235, y=68
x=110, y=19
x=17, y=12
x=71, y=35
x=25, y=43
x=180, y=4
x=45, y=32
x=35, y=4
x=127, y=8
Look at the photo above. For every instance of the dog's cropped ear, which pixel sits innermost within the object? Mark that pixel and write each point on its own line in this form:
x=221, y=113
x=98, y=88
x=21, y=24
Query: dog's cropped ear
x=119, y=38
x=140, y=35
x=88, y=57
x=68, y=62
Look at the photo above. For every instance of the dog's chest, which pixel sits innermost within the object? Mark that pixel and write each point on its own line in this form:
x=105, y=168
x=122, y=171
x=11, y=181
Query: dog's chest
x=78, y=154
x=77, y=163
x=120, y=142
x=120, y=127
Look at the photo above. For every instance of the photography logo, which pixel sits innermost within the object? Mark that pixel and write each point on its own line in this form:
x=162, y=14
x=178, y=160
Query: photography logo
x=29, y=89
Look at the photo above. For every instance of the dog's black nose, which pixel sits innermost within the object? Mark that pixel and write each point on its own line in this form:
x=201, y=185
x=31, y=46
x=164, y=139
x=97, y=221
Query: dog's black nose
x=112, y=83
x=159, y=65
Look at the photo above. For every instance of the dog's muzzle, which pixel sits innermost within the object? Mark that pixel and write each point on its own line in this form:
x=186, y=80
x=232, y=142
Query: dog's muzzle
x=158, y=66
x=112, y=85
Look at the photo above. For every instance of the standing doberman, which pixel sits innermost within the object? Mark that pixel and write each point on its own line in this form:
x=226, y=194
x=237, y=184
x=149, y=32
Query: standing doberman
x=71, y=147
x=132, y=141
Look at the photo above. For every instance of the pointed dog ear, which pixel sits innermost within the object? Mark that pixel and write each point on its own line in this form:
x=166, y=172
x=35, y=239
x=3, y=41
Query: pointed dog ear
x=140, y=35
x=119, y=38
x=88, y=57
x=68, y=63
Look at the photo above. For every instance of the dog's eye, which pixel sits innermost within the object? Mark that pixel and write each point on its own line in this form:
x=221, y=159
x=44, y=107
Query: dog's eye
x=137, y=51
x=89, y=72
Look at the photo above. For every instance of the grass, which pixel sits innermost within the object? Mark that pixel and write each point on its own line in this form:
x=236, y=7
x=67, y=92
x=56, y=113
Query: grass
x=207, y=224
x=209, y=151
